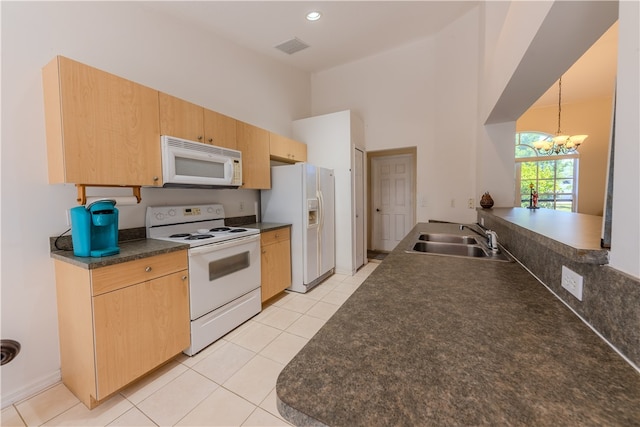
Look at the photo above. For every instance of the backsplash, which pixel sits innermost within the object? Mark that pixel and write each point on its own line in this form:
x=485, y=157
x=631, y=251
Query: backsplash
x=610, y=300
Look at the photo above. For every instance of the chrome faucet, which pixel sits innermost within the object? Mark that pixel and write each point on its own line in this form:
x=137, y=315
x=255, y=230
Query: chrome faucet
x=492, y=240
x=490, y=235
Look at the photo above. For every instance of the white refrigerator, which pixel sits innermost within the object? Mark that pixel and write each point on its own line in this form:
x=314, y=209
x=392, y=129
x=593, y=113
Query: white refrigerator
x=303, y=195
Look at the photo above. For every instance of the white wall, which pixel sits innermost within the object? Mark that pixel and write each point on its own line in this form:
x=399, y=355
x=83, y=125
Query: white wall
x=625, y=232
x=423, y=94
x=126, y=39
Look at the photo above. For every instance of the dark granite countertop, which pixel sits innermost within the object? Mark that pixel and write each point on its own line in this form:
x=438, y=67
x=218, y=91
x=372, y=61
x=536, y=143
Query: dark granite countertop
x=136, y=248
x=435, y=340
x=574, y=235
x=129, y=251
x=266, y=226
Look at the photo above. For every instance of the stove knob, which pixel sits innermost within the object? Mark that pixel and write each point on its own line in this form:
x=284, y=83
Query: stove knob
x=159, y=216
x=218, y=211
x=209, y=209
x=172, y=212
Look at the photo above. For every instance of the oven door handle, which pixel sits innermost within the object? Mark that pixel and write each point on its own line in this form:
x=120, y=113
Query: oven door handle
x=204, y=249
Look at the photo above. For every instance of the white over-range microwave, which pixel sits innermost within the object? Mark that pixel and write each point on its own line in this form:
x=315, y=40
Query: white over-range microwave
x=194, y=164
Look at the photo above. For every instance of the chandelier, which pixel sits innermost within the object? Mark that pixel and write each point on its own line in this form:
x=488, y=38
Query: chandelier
x=559, y=144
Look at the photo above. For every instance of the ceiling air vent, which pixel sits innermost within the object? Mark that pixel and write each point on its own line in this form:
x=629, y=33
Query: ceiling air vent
x=292, y=46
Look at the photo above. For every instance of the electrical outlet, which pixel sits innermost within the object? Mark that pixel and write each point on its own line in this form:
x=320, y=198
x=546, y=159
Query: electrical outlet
x=572, y=282
x=471, y=205
x=68, y=217
x=241, y=206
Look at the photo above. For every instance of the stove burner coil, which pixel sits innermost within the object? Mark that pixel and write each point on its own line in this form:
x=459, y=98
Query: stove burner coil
x=179, y=236
x=199, y=237
x=237, y=230
x=220, y=229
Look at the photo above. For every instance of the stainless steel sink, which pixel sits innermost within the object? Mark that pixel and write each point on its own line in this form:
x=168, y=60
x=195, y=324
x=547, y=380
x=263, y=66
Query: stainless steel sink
x=450, y=249
x=477, y=251
x=448, y=238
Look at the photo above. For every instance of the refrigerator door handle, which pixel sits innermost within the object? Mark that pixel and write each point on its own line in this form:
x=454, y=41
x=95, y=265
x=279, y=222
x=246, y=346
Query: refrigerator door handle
x=320, y=209
x=320, y=228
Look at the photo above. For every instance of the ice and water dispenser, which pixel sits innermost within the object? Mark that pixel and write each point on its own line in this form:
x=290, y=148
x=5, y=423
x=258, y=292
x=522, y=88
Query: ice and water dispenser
x=312, y=212
x=94, y=229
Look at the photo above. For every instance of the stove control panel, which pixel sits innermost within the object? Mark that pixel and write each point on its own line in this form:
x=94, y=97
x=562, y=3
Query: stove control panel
x=191, y=211
x=164, y=215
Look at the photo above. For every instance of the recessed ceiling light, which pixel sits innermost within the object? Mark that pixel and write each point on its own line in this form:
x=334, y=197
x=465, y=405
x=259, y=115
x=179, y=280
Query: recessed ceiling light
x=313, y=16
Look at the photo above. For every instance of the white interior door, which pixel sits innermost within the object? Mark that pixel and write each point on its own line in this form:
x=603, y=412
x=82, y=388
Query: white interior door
x=359, y=204
x=392, y=192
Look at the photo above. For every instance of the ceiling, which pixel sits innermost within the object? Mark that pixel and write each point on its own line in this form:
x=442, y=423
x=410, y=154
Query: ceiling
x=347, y=31
x=352, y=30
x=591, y=76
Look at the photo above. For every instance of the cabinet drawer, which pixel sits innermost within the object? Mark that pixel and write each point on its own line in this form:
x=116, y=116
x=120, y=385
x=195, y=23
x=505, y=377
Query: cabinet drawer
x=275, y=236
x=117, y=276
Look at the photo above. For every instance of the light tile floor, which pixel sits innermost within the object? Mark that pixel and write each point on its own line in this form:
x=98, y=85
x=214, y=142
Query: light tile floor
x=230, y=383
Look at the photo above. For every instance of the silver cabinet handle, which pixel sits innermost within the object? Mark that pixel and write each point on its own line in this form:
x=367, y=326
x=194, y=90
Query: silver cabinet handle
x=155, y=178
x=147, y=269
x=184, y=277
x=199, y=137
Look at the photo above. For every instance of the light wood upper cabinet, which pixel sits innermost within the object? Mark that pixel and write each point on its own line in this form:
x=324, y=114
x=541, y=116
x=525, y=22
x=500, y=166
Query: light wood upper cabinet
x=119, y=322
x=219, y=130
x=286, y=149
x=253, y=142
x=101, y=129
x=275, y=262
x=189, y=121
x=181, y=118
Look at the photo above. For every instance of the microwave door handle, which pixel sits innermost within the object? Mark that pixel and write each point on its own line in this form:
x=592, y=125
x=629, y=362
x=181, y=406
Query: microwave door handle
x=228, y=166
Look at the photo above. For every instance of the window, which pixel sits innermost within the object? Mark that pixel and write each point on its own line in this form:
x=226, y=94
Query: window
x=555, y=177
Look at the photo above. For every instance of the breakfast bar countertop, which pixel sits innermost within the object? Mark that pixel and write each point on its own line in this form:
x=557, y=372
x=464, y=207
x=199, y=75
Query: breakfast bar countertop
x=438, y=340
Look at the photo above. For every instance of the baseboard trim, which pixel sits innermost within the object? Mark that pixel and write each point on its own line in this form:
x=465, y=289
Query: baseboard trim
x=31, y=389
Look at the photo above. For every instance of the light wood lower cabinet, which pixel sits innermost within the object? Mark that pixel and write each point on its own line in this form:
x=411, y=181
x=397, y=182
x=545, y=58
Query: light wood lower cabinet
x=275, y=262
x=119, y=322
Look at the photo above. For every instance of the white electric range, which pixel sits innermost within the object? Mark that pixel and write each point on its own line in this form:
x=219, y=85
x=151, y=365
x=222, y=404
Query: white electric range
x=224, y=267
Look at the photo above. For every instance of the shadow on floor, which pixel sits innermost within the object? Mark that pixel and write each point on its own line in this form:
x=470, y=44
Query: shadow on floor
x=377, y=255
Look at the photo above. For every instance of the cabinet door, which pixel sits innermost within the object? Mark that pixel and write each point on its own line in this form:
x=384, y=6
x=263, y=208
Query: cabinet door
x=253, y=142
x=139, y=327
x=101, y=129
x=219, y=130
x=275, y=263
x=286, y=150
x=181, y=118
